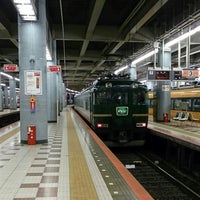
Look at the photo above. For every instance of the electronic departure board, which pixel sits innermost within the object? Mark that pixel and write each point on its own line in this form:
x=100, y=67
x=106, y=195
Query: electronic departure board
x=176, y=75
x=159, y=75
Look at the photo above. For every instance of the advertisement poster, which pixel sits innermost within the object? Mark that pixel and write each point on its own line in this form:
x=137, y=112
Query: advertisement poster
x=33, y=82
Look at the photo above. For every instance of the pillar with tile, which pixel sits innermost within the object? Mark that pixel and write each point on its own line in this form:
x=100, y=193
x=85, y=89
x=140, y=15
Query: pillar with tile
x=33, y=75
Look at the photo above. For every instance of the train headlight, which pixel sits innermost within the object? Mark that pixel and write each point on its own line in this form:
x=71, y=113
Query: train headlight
x=142, y=124
x=99, y=125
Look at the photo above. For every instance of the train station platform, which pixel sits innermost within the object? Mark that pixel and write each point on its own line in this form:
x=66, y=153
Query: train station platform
x=72, y=165
x=186, y=133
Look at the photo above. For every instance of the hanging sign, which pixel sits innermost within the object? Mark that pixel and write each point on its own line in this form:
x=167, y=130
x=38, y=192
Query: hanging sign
x=10, y=68
x=55, y=68
x=33, y=82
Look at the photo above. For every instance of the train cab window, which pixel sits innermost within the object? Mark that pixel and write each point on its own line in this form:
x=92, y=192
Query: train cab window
x=139, y=97
x=103, y=97
x=120, y=98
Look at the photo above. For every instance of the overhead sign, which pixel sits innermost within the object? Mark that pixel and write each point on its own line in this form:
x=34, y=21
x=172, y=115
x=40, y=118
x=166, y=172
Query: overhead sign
x=190, y=73
x=55, y=68
x=185, y=75
x=159, y=75
x=10, y=68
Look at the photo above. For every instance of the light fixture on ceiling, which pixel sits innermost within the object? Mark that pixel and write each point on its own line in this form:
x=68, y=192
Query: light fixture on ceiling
x=120, y=69
x=9, y=76
x=145, y=56
x=183, y=36
x=26, y=9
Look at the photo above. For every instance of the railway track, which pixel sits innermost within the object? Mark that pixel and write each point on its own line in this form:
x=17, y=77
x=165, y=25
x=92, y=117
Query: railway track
x=9, y=118
x=155, y=179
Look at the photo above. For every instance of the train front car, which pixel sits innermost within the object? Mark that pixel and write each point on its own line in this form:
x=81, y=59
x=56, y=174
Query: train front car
x=119, y=112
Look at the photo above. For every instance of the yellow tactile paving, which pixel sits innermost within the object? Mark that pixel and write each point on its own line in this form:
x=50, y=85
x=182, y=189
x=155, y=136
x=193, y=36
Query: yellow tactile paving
x=9, y=134
x=81, y=184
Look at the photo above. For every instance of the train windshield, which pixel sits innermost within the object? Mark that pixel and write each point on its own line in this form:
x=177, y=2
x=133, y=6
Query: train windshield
x=139, y=97
x=121, y=97
x=105, y=97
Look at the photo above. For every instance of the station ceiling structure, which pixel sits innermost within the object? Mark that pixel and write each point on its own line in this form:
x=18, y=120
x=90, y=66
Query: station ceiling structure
x=98, y=36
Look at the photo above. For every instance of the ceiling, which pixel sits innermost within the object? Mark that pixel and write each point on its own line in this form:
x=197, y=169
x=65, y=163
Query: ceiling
x=99, y=36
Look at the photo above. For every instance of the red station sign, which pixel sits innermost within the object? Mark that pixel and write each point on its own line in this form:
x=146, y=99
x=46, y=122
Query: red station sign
x=55, y=68
x=10, y=68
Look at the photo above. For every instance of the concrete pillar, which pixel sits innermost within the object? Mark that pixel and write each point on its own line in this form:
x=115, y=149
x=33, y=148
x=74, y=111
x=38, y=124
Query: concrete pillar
x=52, y=96
x=6, y=97
x=162, y=91
x=52, y=87
x=1, y=96
x=33, y=75
x=13, y=103
x=133, y=73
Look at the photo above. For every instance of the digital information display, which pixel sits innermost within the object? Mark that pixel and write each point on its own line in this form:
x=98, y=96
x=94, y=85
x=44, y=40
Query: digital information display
x=159, y=75
x=176, y=75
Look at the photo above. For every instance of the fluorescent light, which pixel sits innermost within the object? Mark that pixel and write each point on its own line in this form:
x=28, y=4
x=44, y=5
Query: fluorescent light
x=6, y=75
x=182, y=37
x=120, y=69
x=9, y=76
x=26, y=9
x=147, y=55
x=17, y=79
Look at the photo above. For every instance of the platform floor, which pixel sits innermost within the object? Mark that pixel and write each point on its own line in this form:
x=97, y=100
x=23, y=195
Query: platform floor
x=29, y=172
x=66, y=168
x=187, y=131
x=62, y=169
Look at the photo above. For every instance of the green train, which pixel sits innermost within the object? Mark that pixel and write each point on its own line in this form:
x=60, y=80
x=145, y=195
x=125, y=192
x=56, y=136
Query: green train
x=117, y=110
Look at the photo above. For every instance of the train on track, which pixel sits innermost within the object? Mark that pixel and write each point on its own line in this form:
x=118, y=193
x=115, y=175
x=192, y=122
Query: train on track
x=183, y=99
x=116, y=109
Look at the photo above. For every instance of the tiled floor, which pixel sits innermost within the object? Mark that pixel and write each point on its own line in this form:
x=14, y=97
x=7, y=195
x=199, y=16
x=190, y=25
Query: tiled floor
x=37, y=172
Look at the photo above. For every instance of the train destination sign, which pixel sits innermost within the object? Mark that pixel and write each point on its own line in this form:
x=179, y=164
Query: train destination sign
x=122, y=111
x=10, y=68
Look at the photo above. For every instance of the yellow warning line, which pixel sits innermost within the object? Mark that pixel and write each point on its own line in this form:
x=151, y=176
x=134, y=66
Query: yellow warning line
x=81, y=184
x=9, y=134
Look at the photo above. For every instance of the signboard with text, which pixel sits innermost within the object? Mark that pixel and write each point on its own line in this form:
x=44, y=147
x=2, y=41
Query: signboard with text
x=159, y=75
x=55, y=68
x=10, y=68
x=33, y=82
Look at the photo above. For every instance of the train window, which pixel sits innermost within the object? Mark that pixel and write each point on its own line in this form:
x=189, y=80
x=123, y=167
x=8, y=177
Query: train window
x=139, y=97
x=182, y=104
x=120, y=98
x=196, y=104
x=103, y=97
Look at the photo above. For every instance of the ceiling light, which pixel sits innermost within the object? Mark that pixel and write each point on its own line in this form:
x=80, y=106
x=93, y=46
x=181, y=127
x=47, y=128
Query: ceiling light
x=120, y=69
x=26, y=9
x=6, y=75
x=182, y=37
x=147, y=55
